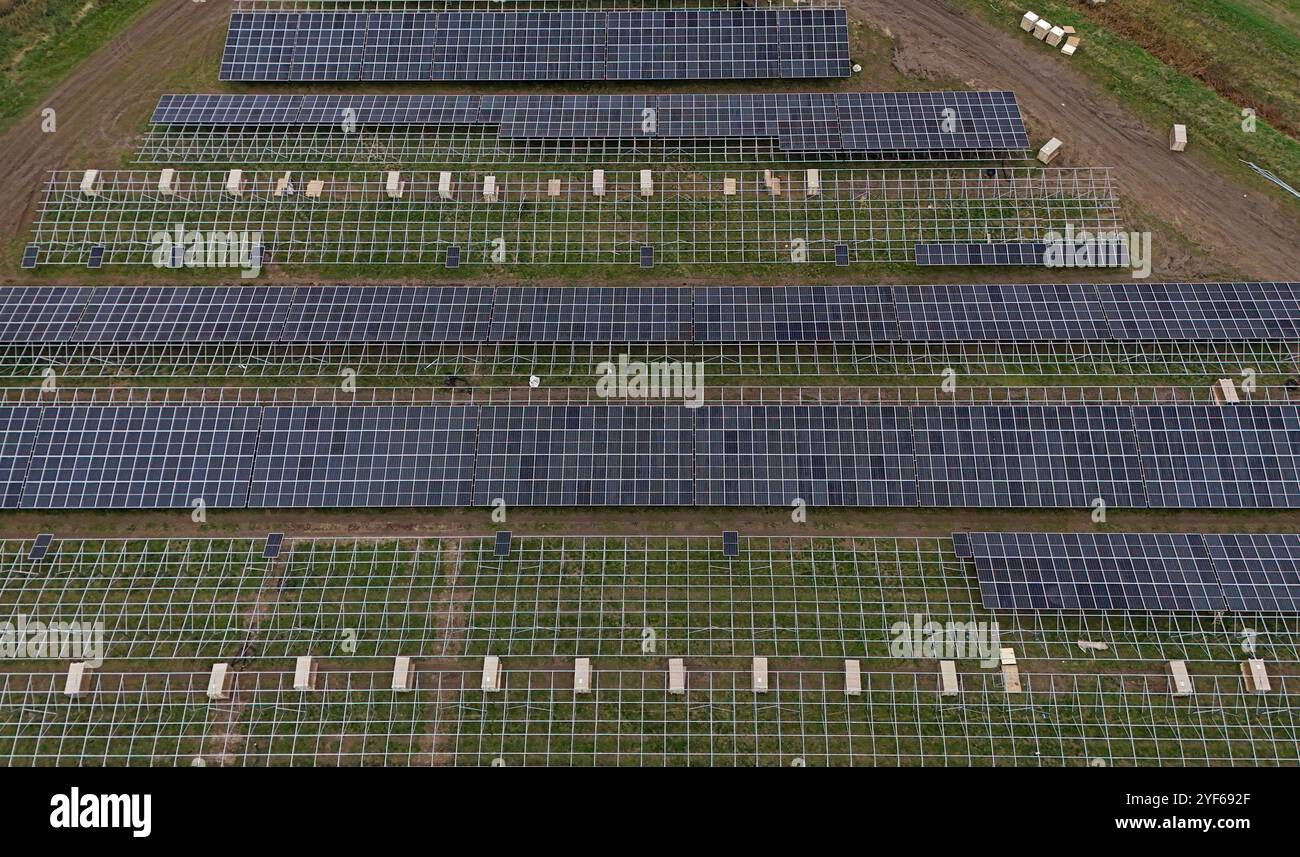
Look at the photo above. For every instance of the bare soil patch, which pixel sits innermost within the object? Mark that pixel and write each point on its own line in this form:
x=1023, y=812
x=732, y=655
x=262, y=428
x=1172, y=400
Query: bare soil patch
x=1235, y=229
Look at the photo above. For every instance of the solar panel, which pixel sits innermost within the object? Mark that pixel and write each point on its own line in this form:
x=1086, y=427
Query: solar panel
x=1206, y=311
x=688, y=116
x=731, y=543
x=582, y=117
x=271, y=549
x=814, y=43
x=40, y=547
x=30, y=254
x=96, y=259
x=379, y=314
x=502, y=546
x=842, y=255
x=695, y=44
x=453, y=256
x=328, y=110
x=377, y=456
x=396, y=314
x=400, y=47
x=330, y=45
x=1128, y=572
x=532, y=46
x=227, y=109
x=900, y=123
x=795, y=314
x=372, y=111
x=808, y=122
x=1220, y=457
x=596, y=314
x=647, y=256
x=629, y=455
x=679, y=44
x=771, y=455
x=188, y=314
x=1007, y=253
x=1008, y=313
x=260, y=46
x=32, y=314
x=17, y=440
x=141, y=457
x=1026, y=456
x=958, y=123
x=961, y=545
x=1259, y=572
x=459, y=110
x=259, y=109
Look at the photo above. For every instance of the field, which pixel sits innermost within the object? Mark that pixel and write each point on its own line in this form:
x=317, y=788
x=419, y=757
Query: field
x=169, y=608
x=561, y=597
x=631, y=588
x=1198, y=63
x=804, y=720
x=42, y=40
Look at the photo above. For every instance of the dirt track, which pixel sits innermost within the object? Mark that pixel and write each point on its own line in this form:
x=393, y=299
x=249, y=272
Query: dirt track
x=1245, y=229
x=105, y=103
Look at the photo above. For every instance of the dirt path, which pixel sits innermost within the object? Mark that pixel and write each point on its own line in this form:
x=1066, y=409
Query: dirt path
x=1240, y=228
x=105, y=101
x=454, y=631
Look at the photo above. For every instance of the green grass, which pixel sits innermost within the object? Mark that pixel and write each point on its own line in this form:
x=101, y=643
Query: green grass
x=213, y=599
x=1255, y=54
x=559, y=368
x=629, y=719
x=1243, y=51
x=900, y=720
x=41, y=41
x=556, y=598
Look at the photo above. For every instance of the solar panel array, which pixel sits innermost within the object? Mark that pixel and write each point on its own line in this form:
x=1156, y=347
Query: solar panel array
x=16, y=444
x=331, y=457
x=1206, y=456
x=795, y=314
x=1259, y=572
x=773, y=455
x=688, y=44
x=167, y=314
x=1026, y=456
x=1137, y=572
x=851, y=122
x=584, y=314
x=997, y=456
x=386, y=314
x=1012, y=312
x=1203, y=310
x=1111, y=252
x=140, y=457
x=33, y=315
x=584, y=455
x=41, y=314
